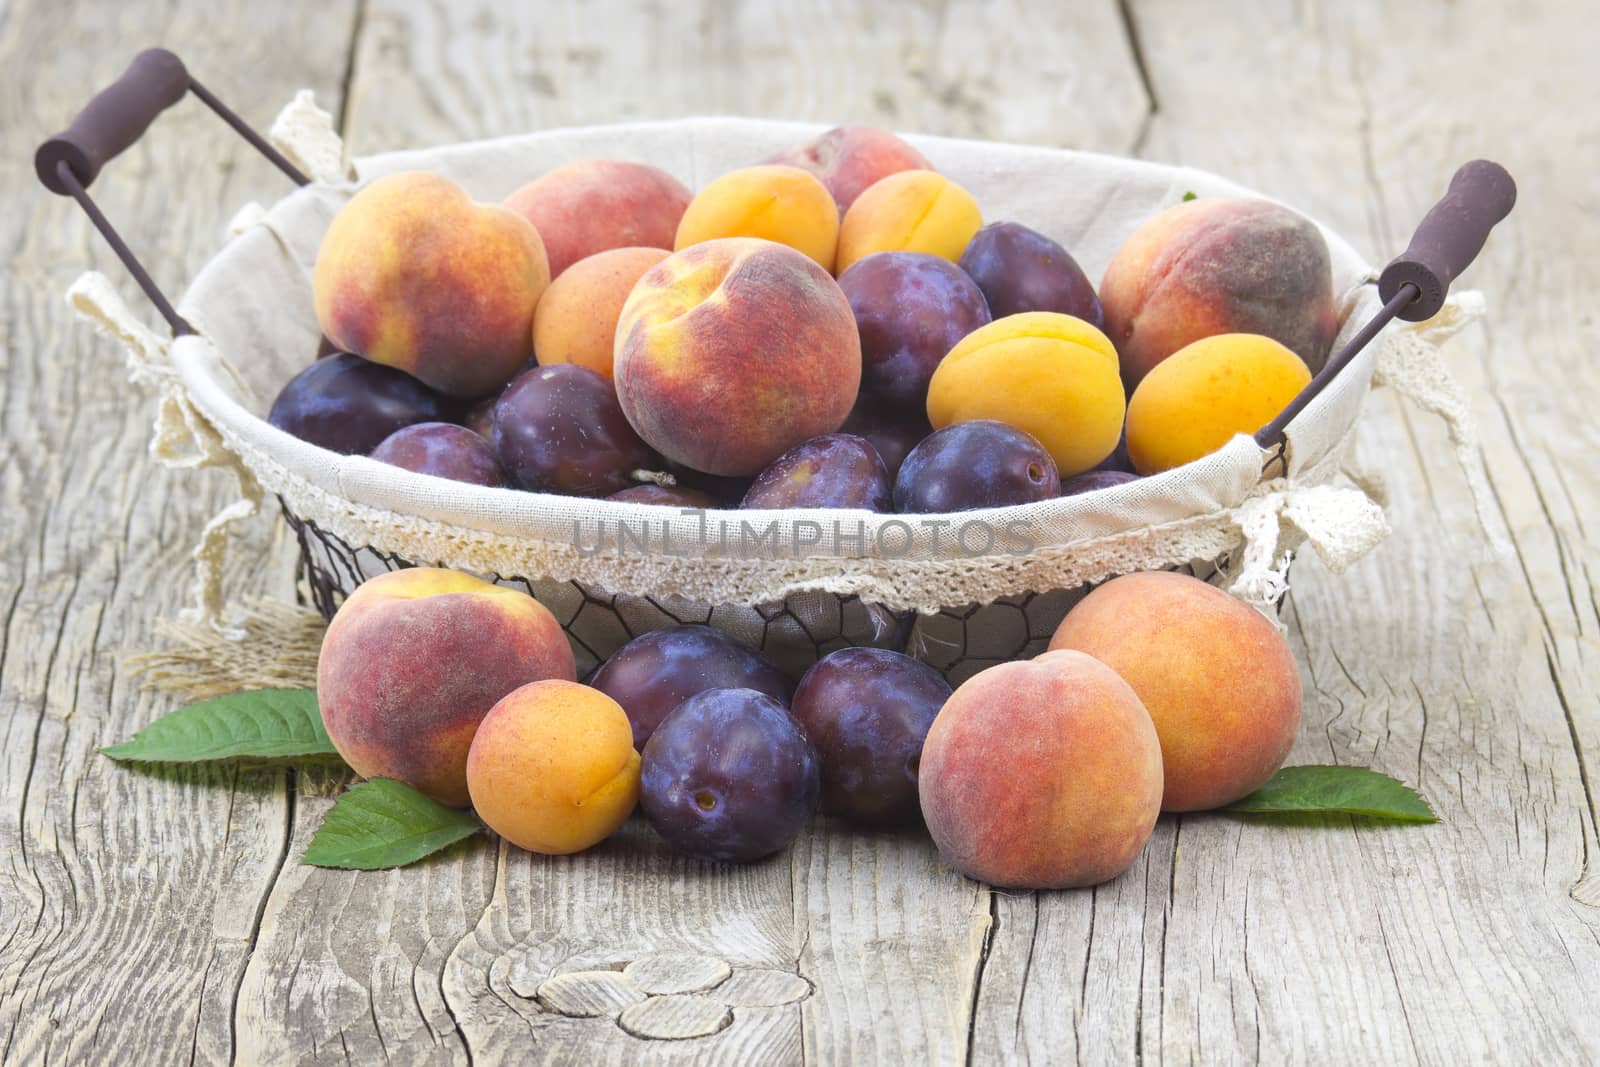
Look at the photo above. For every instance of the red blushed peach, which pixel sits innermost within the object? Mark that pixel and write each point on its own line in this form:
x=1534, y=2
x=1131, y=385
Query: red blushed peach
x=414, y=660
x=553, y=769
x=576, y=320
x=733, y=351
x=597, y=204
x=1219, y=265
x=847, y=159
x=1041, y=774
x=414, y=275
x=1218, y=679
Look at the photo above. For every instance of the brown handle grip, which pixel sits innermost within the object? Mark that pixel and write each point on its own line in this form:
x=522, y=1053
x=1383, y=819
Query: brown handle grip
x=114, y=119
x=1449, y=237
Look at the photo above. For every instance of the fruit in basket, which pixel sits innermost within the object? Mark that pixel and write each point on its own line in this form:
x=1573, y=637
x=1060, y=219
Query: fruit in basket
x=782, y=204
x=414, y=275
x=1042, y=774
x=979, y=464
x=1195, y=400
x=1019, y=270
x=676, y=496
x=836, y=470
x=731, y=352
x=596, y=204
x=1089, y=481
x=910, y=309
x=894, y=433
x=867, y=711
x=657, y=671
x=576, y=320
x=1052, y=375
x=345, y=404
x=848, y=159
x=560, y=430
x=1219, y=265
x=443, y=450
x=1217, y=678
x=412, y=662
x=912, y=211
x=729, y=776
x=552, y=768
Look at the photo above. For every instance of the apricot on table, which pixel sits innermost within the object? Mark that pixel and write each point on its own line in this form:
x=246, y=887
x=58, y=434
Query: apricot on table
x=576, y=320
x=553, y=769
x=775, y=203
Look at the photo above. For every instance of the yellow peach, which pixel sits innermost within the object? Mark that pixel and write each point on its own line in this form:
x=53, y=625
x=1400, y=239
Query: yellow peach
x=772, y=202
x=576, y=320
x=910, y=211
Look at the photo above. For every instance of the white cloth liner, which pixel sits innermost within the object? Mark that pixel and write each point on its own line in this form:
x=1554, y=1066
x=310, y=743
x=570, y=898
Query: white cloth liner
x=252, y=306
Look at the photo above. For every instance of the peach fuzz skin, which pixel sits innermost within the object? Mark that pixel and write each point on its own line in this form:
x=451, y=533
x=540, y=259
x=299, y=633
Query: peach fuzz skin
x=1219, y=265
x=413, y=274
x=731, y=352
x=596, y=204
x=775, y=203
x=553, y=768
x=576, y=320
x=1217, y=679
x=912, y=211
x=1052, y=375
x=848, y=159
x=1041, y=774
x=414, y=660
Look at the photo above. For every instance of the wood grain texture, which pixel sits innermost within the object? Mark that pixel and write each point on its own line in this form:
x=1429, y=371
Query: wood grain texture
x=161, y=917
x=129, y=901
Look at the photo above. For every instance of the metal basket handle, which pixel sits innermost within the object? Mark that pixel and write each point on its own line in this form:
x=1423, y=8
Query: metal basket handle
x=68, y=163
x=1414, y=284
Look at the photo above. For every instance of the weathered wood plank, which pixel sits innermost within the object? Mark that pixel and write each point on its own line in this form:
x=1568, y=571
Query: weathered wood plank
x=1474, y=679
x=128, y=900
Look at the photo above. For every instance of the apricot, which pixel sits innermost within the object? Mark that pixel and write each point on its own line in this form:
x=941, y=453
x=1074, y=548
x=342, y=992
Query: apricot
x=414, y=275
x=1219, y=265
x=1217, y=678
x=1041, y=774
x=731, y=352
x=597, y=204
x=1196, y=399
x=912, y=211
x=414, y=660
x=848, y=159
x=576, y=320
x=553, y=769
x=775, y=203
x=1048, y=374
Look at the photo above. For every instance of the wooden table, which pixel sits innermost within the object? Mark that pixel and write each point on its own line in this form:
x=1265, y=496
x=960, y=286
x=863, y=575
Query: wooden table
x=163, y=917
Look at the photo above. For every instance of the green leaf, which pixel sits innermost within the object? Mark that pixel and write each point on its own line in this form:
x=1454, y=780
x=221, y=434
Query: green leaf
x=1336, y=790
x=257, y=723
x=385, y=823
x=1190, y=195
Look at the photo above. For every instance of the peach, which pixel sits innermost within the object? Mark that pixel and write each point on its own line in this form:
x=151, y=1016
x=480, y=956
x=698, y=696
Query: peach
x=414, y=660
x=576, y=320
x=1219, y=265
x=847, y=159
x=412, y=274
x=1041, y=774
x=912, y=211
x=597, y=204
x=782, y=204
x=1196, y=399
x=552, y=768
x=1218, y=679
x=731, y=352
x=1051, y=375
